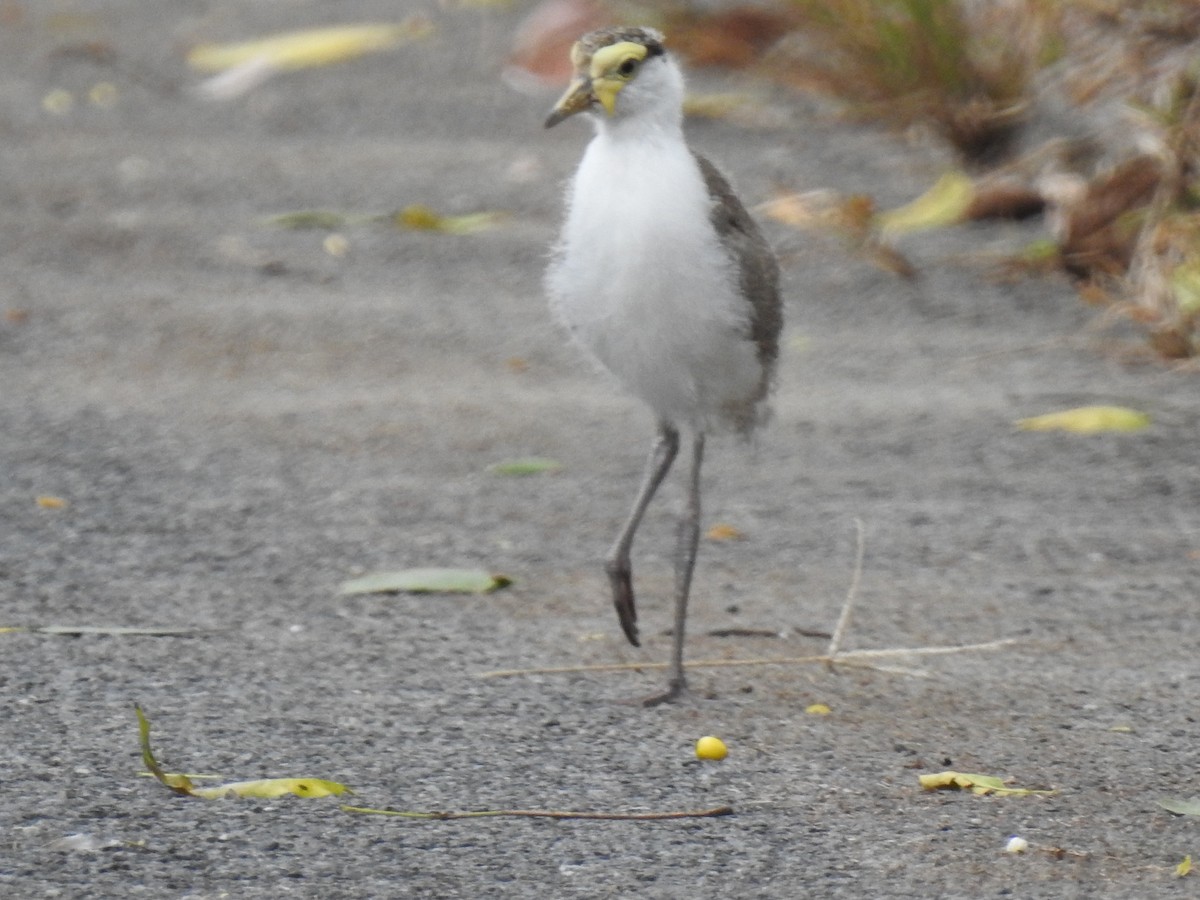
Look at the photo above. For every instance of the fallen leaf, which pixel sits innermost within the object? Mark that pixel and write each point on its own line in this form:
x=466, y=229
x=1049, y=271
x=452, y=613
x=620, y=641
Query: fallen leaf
x=1088, y=420
x=976, y=784
x=265, y=788
x=1185, y=281
x=104, y=94
x=58, y=102
x=270, y=788
x=724, y=532
x=51, y=502
x=418, y=217
x=817, y=709
x=1184, y=867
x=310, y=47
x=1181, y=807
x=847, y=214
x=946, y=203
x=324, y=219
x=525, y=465
x=427, y=581
x=116, y=630
x=180, y=784
x=1004, y=200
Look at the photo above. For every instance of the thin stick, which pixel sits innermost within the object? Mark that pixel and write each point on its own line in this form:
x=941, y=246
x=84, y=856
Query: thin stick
x=544, y=814
x=852, y=594
x=849, y=657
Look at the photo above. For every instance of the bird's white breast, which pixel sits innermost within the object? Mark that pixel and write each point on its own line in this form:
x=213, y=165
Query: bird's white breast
x=642, y=282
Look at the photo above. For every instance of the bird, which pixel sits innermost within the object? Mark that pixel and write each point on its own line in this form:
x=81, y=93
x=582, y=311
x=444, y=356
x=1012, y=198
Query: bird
x=662, y=277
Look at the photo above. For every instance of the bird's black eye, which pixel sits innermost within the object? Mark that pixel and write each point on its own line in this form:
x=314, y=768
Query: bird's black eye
x=627, y=68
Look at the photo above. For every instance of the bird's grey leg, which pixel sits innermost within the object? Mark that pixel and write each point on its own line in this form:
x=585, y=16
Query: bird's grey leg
x=685, y=563
x=620, y=572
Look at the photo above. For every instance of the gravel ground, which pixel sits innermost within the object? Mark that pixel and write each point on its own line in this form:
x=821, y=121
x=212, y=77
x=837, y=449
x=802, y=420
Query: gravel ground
x=239, y=421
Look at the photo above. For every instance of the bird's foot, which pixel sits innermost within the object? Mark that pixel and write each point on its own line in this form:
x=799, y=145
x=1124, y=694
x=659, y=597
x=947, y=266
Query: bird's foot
x=676, y=691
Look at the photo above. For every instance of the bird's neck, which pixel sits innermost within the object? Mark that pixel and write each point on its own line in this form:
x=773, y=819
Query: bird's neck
x=659, y=128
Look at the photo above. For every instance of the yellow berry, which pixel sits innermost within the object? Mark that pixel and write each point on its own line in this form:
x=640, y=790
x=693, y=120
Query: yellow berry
x=711, y=748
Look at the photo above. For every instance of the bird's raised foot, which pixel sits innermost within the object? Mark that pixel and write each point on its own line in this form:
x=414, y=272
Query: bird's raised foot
x=620, y=578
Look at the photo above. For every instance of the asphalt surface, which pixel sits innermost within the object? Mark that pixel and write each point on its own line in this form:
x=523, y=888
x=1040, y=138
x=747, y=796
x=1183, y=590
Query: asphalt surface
x=239, y=420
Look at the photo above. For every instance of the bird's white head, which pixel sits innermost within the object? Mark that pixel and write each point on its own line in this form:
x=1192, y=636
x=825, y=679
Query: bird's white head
x=622, y=74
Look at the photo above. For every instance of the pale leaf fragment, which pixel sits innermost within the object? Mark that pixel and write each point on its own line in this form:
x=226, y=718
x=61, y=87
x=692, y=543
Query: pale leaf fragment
x=946, y=203
x=723, y=531
x=976, y=784
x=310, y=47
x=1181, y=807
x=525, y=465
x=1088, y=420
x=426, y=581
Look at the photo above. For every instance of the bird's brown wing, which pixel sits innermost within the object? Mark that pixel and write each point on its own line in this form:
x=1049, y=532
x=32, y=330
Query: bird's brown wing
x=758, y=269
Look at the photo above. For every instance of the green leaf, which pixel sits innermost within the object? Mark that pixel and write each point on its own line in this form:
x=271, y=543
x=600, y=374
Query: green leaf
x=525, y=465
x=427, y=581
x=1181, y=807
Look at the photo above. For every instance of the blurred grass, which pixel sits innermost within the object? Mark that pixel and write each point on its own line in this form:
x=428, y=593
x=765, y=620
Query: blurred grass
x=996, y=80
x=964, y=69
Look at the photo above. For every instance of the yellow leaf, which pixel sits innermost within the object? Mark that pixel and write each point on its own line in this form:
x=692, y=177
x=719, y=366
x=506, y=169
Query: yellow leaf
x=976, y=784
x=312, y=47
x=946, y=203
x=1184, y=867
x=818, y=709
x=267, y=788
x=418, y=217
x=51, y=502
x=1088, y=420
x=724, y=532
x=270, y=788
